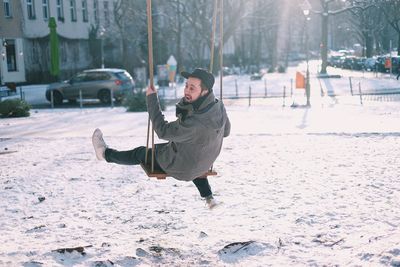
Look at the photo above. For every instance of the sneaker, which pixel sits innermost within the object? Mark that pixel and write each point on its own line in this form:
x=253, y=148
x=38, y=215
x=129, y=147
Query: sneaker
x=99, y=144
x=211, y=202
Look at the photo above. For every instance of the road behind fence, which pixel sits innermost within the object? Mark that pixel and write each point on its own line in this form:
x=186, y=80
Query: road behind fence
x=273, y=85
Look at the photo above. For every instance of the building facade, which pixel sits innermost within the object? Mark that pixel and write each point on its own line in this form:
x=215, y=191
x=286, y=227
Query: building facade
x=24, y=35
x=12, y=65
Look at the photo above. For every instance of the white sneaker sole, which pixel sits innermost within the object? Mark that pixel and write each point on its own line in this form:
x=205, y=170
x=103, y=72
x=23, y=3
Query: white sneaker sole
x=97, y=139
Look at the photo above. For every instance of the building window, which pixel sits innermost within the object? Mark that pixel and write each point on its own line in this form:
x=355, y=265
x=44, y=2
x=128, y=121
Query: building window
x=106, y=14
x=30, y=7
x=11, y=55
x=60, y=10
x=96, y=11
x=72, y=7
x=7, y=9
x=45, y=7
x=84, y=11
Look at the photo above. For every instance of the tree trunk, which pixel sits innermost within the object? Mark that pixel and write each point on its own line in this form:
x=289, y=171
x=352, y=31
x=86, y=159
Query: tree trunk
x=324, y=42
x=274, y=49
x=178, y=38
x=368, y=45
x=125, y=55
x=398, y=44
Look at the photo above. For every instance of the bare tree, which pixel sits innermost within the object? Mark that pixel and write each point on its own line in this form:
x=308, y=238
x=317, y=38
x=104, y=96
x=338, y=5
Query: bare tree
x=392, y=14
x=175, y=27
x=366, y=18
x=255, y=30
x=325, y=12
x=130, y=18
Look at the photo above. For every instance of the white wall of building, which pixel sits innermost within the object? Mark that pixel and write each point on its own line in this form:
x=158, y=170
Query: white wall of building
x=68, y=28
x=15, y=75
x=31, y=58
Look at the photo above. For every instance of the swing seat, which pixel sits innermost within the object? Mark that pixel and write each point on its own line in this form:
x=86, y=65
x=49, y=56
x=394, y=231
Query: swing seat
x=160, y=175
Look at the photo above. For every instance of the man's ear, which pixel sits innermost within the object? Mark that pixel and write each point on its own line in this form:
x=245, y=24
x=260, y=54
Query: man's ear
x=204, y=92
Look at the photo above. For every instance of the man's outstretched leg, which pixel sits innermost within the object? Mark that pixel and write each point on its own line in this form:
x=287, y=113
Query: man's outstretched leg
x=129, y=157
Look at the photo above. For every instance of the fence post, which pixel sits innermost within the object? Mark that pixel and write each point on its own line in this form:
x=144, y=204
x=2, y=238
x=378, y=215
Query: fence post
x=21, y=93
x=249, y=95
x=265, y=87
x=359, y=90
x=80, y=98
x=52, y=98
x=320, y=87
x=291, y=87
x=284, y=95
x=175, y=91
x=236, y=88
x=112, y=98
x=351, y=86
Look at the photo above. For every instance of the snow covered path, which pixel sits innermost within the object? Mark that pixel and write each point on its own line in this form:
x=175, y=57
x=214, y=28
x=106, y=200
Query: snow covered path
x=315, y=187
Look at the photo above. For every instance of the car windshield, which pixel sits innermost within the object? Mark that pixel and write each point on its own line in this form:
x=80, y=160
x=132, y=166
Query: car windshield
x=123, y=75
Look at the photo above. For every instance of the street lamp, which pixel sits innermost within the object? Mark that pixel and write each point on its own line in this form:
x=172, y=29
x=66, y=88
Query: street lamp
x=306, y=6
x=102, y=33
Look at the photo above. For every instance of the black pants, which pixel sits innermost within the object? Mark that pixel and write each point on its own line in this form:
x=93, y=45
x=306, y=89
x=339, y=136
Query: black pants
x=138, y=155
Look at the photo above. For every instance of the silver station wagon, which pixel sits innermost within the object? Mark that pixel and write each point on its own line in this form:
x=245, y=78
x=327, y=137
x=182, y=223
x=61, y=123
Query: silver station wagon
x=99, y=84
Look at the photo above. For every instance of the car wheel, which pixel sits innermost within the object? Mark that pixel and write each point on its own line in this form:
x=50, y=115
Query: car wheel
x=104, y=96
x=57, y=97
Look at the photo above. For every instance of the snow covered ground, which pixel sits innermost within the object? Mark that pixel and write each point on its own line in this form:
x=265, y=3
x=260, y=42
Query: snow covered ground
x=314, y=187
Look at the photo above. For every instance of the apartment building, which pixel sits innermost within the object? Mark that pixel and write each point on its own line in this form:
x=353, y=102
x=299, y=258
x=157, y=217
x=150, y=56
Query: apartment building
x=24, y=35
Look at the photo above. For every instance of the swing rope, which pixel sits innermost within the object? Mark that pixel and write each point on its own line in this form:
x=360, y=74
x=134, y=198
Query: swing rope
x=160, y=175
x=151, y=74
x=221, y=46
x=214, y=25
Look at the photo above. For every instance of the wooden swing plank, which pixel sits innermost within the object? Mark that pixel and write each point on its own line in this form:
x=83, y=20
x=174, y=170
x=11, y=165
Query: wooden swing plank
x=210, y=173
x=157, y=173
x=160, y=175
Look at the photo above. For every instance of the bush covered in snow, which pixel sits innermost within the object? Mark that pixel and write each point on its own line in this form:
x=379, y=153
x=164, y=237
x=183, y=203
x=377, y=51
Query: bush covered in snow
x=14, y=108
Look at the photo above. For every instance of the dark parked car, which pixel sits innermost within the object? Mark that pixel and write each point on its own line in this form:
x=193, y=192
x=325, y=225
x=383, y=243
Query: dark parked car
x=93, y=84
x=359, y=63
x=348, y=63
x=335, y=61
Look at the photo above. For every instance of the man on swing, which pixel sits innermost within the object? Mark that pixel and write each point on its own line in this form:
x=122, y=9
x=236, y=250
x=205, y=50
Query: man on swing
x=194, y=139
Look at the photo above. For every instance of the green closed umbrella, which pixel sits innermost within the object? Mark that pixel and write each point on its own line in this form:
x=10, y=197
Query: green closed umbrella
x=54, y=53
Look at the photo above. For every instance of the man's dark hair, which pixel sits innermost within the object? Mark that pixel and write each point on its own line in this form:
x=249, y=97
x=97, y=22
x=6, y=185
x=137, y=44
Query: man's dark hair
x=207, y=79
x=203, y=87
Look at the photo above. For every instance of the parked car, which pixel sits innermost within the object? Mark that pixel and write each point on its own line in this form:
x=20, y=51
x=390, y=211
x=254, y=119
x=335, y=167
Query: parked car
x=93, y=84
x=369, y=64
x=396, y=64
x=335, y=61
x=256, y=76
x=348, y=62
x=359, y=63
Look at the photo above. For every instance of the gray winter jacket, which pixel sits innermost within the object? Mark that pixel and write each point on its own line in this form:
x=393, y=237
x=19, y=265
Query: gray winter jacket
x=194, y=141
